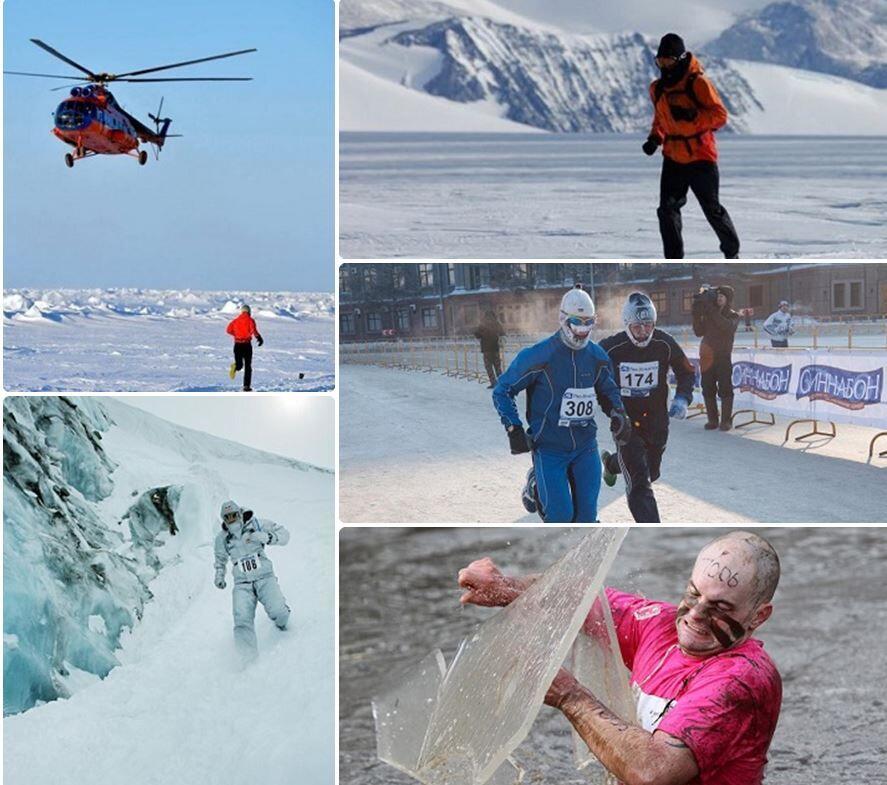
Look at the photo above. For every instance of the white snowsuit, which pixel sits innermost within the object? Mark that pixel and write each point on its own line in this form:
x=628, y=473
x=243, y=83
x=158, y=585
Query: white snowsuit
x=779, y=326
x=254, y=578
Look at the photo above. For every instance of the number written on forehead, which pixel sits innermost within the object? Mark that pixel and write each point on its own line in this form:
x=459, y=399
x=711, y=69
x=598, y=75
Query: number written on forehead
x=723, y=573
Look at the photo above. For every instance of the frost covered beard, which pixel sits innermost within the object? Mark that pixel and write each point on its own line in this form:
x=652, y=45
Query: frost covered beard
x=728, y=595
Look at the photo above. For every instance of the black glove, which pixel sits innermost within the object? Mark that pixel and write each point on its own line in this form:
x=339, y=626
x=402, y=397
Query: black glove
x=260, y=340
x=620, y=427
x=683, y=113
x=649, y=147
x=517, y=438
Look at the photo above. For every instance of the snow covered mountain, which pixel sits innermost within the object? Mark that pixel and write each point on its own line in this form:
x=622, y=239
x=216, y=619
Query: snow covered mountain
x=404, y=65
x=118, y=653
x=845, y=38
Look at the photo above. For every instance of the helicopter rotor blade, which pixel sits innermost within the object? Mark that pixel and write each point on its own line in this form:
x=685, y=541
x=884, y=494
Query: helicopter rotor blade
x=47, y=76
x=66, y=86
x=187, y=62
x=193, y=79
x=60, y=56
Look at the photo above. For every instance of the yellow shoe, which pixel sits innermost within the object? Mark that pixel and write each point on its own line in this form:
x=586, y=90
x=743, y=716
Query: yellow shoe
x=232, y=371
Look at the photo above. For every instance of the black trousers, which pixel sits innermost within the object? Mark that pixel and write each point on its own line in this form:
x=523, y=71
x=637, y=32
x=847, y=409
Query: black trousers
x=717, y=378
x=702, y=178
x=243, y=359
x=493, y=364
x=640, y=462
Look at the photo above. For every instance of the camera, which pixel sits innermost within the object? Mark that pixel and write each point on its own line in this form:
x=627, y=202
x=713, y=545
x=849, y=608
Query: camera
x=707, y=295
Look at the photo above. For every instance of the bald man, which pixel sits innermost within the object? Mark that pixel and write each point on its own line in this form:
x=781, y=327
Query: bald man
x=707, y=694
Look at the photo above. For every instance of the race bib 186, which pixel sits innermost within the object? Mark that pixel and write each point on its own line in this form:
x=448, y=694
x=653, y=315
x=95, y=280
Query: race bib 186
x=577, y=406
x=638, y=379
x=249, y=564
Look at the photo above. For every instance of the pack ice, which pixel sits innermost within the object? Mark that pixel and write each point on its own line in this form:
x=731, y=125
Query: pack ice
x=118, y=654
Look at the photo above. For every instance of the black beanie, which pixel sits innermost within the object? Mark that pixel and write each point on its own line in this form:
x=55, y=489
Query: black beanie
x=671, y=45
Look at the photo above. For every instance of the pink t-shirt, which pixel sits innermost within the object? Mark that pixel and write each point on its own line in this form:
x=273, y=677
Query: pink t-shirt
x=724, y=707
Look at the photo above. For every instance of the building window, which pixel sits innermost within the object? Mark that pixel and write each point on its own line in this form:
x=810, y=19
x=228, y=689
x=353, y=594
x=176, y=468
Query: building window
x=344, y=280
x=479, y=276
x=429, y=317
x=399, y=277
x=374, y=322
x=660, y=300
x=521, y=272
x=402, y=319
x=756, y=296
x=426, y=275
x=451, y=274
x=847, y=295
x=687, y=300
x=346, y=323
x=369, y=278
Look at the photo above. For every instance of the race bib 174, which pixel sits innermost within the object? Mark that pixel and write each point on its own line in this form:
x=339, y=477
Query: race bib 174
x=638, y=379
x=577, y=407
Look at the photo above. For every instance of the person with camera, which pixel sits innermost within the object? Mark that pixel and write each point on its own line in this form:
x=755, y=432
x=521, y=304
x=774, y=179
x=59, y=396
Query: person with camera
x=642, y=356
x=687, y=111
x=715, y=321
x=562, y=375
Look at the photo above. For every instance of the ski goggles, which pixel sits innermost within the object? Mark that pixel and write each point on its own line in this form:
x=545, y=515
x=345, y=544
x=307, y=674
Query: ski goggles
x=230, y=517
x=580, y=321
x=666, y=62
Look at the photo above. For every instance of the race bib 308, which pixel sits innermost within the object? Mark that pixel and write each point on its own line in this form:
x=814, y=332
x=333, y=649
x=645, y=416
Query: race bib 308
x=577, y=406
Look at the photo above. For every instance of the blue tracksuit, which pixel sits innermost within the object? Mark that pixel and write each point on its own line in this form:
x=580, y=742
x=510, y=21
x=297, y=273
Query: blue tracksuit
x=560, y=384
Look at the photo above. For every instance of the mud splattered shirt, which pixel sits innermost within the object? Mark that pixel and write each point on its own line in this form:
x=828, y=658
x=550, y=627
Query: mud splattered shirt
x=724, y=707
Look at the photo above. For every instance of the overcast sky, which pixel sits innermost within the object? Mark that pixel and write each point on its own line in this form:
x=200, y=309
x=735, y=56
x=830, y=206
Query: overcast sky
x=696, y=21
x=296, y=425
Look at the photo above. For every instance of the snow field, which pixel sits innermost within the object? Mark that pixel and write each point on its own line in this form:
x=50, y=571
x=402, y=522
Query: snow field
x=179, y=708
x=425, y=448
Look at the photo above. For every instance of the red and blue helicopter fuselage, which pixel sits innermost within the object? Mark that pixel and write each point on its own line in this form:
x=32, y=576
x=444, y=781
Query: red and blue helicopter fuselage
x=91, y=120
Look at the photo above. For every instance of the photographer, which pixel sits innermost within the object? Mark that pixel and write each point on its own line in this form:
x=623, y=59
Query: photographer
x=715, y=321
x=489, y=332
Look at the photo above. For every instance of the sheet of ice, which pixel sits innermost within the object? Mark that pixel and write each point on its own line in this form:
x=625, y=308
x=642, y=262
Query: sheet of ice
x=137, y=340
x=544, y=196
x=499, y=677
x=409, y=467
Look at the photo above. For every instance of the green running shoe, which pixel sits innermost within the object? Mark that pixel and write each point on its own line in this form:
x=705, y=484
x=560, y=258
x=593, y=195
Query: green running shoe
x=609, y=477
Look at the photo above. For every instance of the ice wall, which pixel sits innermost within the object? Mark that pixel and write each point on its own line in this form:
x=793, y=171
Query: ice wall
x=430, y=725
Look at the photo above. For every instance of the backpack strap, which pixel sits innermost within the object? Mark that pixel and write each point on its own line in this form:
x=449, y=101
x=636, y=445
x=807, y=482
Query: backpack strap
x=689, y=89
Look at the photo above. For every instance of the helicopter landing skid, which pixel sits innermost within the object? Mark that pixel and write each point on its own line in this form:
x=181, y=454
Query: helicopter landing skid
x=77, y=155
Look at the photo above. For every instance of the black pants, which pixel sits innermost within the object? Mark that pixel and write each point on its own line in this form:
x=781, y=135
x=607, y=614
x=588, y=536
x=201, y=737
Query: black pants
x=243, y=359
x=702, y=178
x=717, y=378
x=493, y=364
x=639, y=462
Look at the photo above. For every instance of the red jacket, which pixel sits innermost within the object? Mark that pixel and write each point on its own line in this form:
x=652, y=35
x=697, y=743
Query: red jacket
x=243, y=328
x=684, y=139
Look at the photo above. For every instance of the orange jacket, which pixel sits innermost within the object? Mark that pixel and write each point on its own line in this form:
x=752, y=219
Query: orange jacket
x=243, y=328
x=686, y=127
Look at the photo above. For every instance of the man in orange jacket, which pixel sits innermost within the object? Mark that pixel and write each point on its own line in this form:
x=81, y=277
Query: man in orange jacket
x=243, y=328
x=686, y=113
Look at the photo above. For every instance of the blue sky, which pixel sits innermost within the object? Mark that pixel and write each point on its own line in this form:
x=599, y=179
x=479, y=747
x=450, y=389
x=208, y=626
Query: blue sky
x=243, y=201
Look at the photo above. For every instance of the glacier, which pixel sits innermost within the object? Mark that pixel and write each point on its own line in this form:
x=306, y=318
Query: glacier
x=145, y=340
x=118, y=654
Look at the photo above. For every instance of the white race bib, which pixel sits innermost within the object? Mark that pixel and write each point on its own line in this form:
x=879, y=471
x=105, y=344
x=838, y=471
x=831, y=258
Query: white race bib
x=577, y=406
x=637, y=379
x=249, y=564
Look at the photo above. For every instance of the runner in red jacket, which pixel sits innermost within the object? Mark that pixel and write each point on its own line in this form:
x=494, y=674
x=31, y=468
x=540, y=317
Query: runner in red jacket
x=687, y=111
x=244, y=329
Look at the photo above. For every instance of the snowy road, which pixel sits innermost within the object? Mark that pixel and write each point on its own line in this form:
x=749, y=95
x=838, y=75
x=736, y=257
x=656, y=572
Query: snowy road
x=178, y=709
x=154, y=353
x=425, y=448
x=578, y=196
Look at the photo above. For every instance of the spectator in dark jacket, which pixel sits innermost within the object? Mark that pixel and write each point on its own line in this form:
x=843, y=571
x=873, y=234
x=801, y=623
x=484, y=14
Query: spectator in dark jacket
x=489, y=332
x=715, y=321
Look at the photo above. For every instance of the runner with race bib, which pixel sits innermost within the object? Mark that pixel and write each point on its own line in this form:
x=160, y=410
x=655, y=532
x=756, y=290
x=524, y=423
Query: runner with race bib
x=564, y=376
x=242, y=541
x=641, y=357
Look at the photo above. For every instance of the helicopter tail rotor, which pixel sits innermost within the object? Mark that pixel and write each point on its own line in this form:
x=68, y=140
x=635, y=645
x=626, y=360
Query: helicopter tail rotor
x=161, y=126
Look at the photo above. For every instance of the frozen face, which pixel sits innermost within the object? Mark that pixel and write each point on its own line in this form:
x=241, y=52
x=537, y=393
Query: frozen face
x=722, y=300
x=784, y=308
x=230, y=518
x=720, y=608
x=641, y=331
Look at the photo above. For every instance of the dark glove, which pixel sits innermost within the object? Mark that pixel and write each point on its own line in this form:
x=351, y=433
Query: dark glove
x=683, y=113
x=220, y=580
x=649, y=147
x=260, y=340
x=517, y=438
x=620, y=427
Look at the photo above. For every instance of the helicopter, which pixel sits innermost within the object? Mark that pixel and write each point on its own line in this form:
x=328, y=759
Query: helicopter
x=92, y=122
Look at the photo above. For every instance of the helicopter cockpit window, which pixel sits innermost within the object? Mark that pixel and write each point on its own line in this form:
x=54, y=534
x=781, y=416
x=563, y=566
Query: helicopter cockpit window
x=72, y=115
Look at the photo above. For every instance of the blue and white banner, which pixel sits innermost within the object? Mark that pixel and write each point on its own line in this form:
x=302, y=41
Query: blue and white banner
x=836, y=385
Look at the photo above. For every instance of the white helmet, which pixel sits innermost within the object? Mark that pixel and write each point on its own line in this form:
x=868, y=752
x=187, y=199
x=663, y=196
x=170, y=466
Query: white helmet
x=231, y=509
x=576, y=318
x=639, y=309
